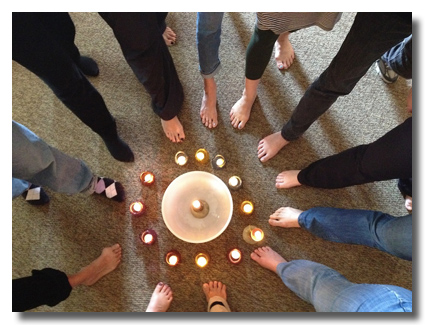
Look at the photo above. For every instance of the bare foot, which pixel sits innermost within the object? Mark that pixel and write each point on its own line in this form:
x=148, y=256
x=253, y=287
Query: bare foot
x=213, y=289
x=408, y=203
x=169, y=36
x=284, y=52
x=161, y=298
x=173, y=129
x=240, y=112
x=285, y=217
x=267, y=258
x=208, y=110
x=104, y=264
x=288, y=179
x=270, y=146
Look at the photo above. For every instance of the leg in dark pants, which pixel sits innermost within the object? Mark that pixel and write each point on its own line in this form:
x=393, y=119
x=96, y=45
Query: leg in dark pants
x=140, y=37
x=46, y=287
x=389, y=157
x=35, y=46
x=371, y=35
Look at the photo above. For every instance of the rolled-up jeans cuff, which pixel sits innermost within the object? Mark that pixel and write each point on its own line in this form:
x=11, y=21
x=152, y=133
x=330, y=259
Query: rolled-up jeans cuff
x=212, y=74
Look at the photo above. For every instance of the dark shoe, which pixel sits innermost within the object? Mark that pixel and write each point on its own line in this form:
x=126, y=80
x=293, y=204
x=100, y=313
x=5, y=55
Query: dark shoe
x=385, y=72
x=35, y=195
x=88, y=66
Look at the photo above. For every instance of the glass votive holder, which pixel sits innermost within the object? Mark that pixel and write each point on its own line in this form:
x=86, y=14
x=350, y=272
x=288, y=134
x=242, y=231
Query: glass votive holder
x=247, y=207
x=202, y=156
x=181, y=158
x=218, y=162
x=173, y=258
x=235, y=182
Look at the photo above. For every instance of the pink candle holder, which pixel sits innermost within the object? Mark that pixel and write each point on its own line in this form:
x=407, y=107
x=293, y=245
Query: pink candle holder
x=173, y=258
x=148, y=237
x=234, y=256
x=137, y=208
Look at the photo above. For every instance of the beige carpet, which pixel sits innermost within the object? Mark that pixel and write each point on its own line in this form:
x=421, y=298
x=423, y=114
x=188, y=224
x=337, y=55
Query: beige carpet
x=71, y=231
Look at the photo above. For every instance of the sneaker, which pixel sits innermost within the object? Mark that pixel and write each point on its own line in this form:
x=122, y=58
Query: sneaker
x=385, y=72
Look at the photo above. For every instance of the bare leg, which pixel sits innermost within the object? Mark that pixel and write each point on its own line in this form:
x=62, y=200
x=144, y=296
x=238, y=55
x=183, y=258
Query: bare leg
x=169, y=36
x=270, y=146
x=161, y=298
x=288, y=179
x=267, y=258
x=208, y=110
x=240, y=112
x=285, y=217
x=104, y=264
x=173, y=129
x=284, y=52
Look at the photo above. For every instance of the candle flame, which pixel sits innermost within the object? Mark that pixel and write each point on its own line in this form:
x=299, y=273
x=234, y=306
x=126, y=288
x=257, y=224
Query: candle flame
x=196, y=204
x=148, y=178
x=200, y=156
x=233, y=181
x=220, y=162
x=258, y=235
x=173, y=260
x=235, y=254
x=148, y=238
x=247, y=208
x=181, y=160
x=201, y=261
x=137, y=207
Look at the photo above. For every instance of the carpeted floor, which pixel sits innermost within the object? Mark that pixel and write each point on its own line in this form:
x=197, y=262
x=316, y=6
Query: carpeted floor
x=71, y=230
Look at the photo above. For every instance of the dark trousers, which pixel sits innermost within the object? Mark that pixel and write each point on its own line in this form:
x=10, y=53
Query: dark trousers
x=140, y=37
x=44, y=44
x=45, y=287
x=371, y=35
x=389, y=157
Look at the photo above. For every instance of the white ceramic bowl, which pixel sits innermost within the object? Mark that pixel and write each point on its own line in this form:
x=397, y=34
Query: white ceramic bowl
x=177, y=201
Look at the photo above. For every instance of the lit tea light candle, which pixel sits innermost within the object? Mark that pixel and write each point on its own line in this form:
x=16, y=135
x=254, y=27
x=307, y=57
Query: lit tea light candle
x=181, y=158
x=235, y=256
x=173, y=258
x=147, y=178
x=257, y=234
x=218, y=162
x=148, y=237
x=202, y=259
x=235, y=182
x=202, y=156
x=197, y=206
x=137, y=208
x=247, y=207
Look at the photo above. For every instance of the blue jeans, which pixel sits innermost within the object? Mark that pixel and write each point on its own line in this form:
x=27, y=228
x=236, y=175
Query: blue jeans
x=329, y=291
x=371, y=35
x=399, y=58
x=35, y=162
x=362, y=227
x=208, y=32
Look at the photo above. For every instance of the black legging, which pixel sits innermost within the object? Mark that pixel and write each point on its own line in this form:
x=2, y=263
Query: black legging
x=389, y=157
x=45, y=287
